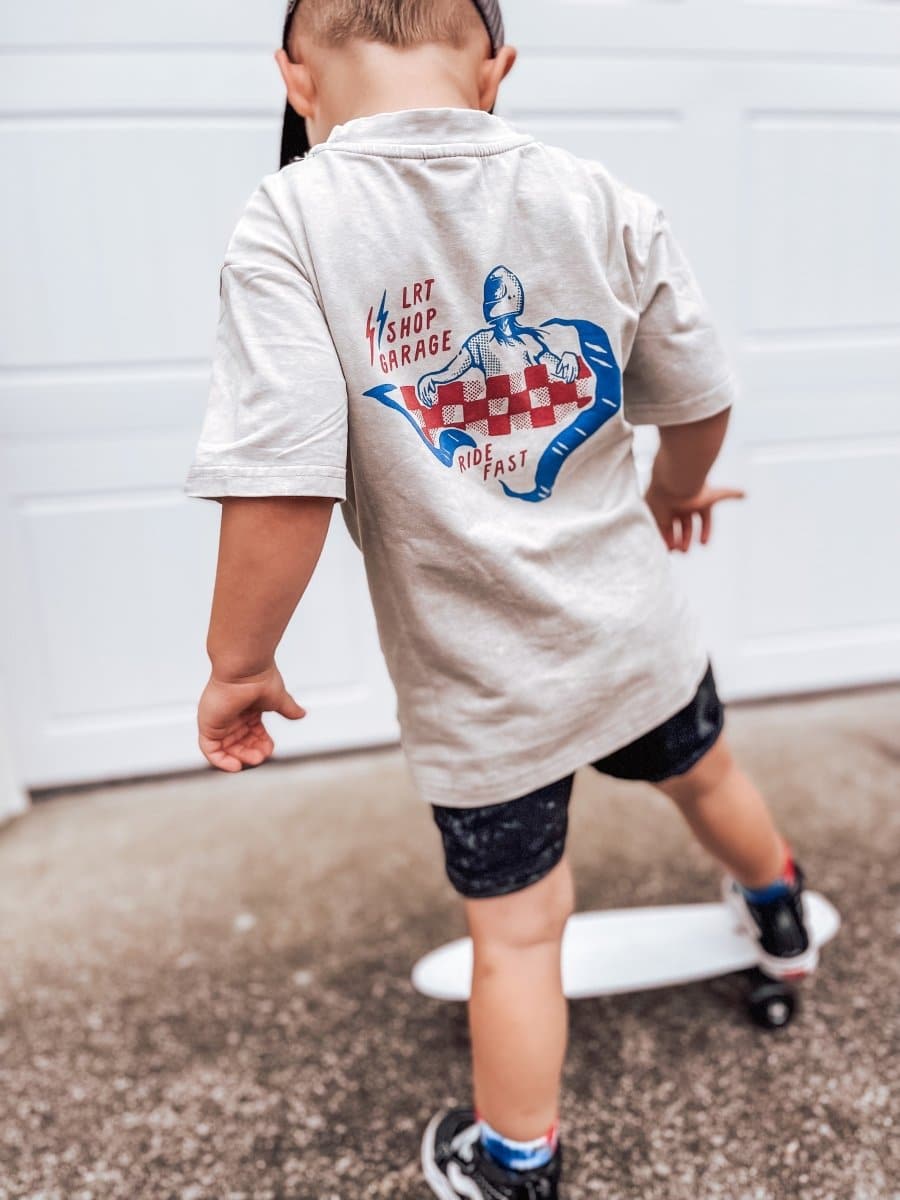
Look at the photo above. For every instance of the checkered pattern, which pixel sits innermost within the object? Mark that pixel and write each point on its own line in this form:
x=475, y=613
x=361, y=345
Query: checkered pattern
x=502, y=404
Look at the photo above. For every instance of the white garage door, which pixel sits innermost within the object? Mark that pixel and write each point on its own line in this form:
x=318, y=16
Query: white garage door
x=131, y=139
x=771, y=134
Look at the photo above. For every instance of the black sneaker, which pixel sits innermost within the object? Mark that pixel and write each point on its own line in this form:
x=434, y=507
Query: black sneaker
x=779, y=928
x=457, y=1167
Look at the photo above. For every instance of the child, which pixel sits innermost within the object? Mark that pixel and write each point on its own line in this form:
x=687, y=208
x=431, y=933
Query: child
x=451, y=328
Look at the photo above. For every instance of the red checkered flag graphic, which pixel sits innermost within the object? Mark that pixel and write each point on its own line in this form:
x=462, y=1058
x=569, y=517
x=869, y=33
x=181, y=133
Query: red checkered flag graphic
x=502, y=404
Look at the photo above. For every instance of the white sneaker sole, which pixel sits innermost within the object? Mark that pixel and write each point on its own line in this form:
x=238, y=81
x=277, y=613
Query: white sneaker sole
x=797, y=966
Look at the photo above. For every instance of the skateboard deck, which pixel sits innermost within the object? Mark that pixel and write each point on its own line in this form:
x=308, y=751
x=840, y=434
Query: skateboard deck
x=632, y=949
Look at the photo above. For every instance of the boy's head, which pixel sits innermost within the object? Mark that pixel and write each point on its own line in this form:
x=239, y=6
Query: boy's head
x=345, y=58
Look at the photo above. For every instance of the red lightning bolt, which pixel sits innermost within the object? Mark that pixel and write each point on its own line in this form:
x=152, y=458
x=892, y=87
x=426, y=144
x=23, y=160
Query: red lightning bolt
x=370, y=334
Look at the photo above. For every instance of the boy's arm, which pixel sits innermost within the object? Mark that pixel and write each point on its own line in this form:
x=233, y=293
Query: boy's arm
x=687, y=452
x=273, y=451
x=678, y=490
x=678, y=378
x=268, y=551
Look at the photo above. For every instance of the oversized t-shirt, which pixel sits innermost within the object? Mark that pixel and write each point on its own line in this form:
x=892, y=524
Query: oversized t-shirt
x=452, y=327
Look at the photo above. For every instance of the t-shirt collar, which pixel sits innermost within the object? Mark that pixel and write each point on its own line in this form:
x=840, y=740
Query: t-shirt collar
x=417, y=127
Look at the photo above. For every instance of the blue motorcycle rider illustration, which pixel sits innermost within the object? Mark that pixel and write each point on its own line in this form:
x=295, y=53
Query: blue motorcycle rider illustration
x=505, y=347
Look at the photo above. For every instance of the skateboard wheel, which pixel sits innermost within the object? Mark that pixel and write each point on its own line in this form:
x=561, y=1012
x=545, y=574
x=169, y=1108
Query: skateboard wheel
x=771, y=1002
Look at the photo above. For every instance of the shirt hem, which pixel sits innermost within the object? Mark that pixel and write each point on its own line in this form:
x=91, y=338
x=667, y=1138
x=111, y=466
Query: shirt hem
x=210, y=483
x=569, y=759
x=706, y=404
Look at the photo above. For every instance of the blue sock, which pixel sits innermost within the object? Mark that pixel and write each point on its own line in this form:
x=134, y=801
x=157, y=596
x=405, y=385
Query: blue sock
x=519, y=1156
x=777, y=888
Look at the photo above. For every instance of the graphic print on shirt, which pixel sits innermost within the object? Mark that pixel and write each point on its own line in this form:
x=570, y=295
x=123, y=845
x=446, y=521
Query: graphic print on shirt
x=504, y=379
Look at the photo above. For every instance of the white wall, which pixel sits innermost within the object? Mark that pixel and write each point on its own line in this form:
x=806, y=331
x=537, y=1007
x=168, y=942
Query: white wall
x=131, y=139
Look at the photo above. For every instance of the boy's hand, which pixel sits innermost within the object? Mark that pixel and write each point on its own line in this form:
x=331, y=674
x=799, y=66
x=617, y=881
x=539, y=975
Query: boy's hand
x=675, y=515
x=427, y=390
x=229, y=718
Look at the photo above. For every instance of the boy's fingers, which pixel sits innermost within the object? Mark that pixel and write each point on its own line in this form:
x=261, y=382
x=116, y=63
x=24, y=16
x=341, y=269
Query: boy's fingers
x=290, y=708
x=256, y=745
x=262, y=741
x=227, y=762
x=220, y=758
x=247, y=752
x=728, y=494
x=705, y=525
x=251, y=756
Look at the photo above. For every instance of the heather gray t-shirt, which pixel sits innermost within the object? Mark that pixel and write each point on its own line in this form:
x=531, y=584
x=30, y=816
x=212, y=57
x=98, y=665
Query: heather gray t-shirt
x=452, y=327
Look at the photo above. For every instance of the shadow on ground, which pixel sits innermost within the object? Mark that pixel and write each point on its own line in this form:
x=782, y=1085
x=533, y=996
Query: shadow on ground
x=205, y=987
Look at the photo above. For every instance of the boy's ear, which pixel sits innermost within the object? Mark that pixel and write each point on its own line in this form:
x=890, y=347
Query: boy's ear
x=493, y=72
x=298, y=82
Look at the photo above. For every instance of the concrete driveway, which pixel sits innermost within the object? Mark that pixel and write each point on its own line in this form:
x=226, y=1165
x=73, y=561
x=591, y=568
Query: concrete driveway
x=205, y=986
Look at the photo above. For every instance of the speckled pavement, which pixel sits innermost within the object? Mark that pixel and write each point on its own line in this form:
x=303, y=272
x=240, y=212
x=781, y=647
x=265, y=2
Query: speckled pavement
x=205, y=986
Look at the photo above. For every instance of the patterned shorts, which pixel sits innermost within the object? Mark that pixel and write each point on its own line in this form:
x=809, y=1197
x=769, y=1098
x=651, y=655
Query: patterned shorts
x=501, y=848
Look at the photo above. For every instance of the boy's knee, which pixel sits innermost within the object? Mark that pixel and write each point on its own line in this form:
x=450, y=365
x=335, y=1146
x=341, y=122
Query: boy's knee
x=707, y=773
x=532, y=916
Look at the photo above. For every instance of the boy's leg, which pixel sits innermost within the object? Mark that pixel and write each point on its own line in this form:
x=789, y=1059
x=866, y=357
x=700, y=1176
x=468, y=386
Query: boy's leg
x=508, y=863
x=518, y=1016
x=729, y=816
x=688, y=758
x=732, y=820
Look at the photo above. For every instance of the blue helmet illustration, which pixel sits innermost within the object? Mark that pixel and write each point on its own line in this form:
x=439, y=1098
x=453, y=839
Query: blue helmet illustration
x=504, y=295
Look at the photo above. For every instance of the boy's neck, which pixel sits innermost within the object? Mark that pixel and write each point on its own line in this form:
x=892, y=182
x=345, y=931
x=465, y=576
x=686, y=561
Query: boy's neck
x=373, y=78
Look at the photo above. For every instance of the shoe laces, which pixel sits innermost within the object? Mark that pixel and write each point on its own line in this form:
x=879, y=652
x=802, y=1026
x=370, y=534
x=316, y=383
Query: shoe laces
x=462, y=1145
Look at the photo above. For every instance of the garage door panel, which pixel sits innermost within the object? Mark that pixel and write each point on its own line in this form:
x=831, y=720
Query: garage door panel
x=794, y=665
x=141, y=252
x=644, y=26
x=806, y=388
x=47, y=403
x=820, y=251
x=131, y=634
x=119, y=667
x=331, y=631
x=809, y=566
x=113, y=572
x=126, y=637
x=600, y=83
x=99, y=464
x=169, y=23
x=106, y=85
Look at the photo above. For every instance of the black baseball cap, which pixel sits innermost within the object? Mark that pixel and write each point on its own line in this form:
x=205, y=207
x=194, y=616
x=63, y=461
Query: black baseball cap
x=294, y=139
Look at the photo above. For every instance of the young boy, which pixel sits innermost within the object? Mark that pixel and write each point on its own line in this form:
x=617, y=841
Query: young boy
x=451, y=328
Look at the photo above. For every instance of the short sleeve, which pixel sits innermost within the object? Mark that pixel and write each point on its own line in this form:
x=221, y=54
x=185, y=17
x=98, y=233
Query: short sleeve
x=678, y=370
x=276, y=413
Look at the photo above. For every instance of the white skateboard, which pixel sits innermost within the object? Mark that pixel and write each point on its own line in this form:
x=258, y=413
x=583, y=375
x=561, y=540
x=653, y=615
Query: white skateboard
x=635, y=949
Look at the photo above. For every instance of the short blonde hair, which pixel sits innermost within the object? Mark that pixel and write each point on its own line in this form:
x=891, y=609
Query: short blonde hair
x=400, y=23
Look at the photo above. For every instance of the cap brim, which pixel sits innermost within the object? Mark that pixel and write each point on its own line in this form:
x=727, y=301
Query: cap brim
x=294, y=139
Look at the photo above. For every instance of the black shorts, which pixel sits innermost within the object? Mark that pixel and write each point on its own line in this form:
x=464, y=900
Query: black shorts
x=499, y=848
